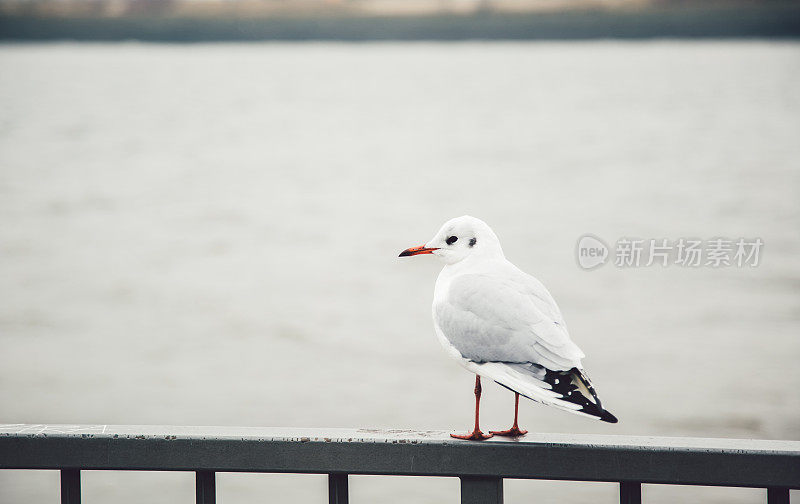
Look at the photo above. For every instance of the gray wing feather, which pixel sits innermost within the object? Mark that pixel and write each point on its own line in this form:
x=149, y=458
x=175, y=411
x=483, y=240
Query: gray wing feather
x=489, y=319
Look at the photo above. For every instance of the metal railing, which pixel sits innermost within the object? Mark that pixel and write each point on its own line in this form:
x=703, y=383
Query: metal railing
x=481, y=466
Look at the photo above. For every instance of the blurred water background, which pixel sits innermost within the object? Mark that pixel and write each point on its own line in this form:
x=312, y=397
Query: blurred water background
x=207, y=235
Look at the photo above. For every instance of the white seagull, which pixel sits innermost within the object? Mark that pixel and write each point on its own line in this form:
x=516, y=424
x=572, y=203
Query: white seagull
x=501, y=323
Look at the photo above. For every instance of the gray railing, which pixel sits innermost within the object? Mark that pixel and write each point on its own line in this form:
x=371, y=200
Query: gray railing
x=481, y=466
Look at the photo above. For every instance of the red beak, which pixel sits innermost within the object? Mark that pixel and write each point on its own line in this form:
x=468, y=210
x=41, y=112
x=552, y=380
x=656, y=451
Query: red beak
x=417, y=251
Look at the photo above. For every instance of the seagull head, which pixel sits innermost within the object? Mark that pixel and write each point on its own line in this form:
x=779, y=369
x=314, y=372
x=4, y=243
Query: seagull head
x=459, y=239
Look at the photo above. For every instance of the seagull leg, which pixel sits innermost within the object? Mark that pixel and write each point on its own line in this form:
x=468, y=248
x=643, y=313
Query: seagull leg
x=514, y=431
x=476, y=434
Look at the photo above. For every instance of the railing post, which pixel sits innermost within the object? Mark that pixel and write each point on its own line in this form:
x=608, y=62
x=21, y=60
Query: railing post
x=481, y=490
x=206, y=487
x=70, y=486
x=777, y=495
x=630, y=492
x=337, y=489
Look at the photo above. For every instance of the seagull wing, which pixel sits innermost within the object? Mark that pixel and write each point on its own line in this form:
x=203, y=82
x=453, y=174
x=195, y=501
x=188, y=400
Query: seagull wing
x=492, y=318
x=509, y=329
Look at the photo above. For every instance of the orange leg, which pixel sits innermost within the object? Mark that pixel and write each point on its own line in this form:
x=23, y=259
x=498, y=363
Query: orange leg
x=514, y=431
x=476, y=434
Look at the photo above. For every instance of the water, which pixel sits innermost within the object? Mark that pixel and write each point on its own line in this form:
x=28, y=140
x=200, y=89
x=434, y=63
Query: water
x=207, y=235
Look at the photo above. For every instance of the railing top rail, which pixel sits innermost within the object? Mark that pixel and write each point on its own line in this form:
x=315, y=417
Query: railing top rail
x=299, y=434
x=727, y=462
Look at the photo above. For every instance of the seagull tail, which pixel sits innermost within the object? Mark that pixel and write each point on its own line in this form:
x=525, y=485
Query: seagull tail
x=568, y=390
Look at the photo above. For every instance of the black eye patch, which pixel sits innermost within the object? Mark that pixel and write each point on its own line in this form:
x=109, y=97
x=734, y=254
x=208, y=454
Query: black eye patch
x=472, y=242
x=451, y=240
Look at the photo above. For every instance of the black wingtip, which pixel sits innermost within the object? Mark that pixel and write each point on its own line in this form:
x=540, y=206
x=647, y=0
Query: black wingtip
x=606, y=416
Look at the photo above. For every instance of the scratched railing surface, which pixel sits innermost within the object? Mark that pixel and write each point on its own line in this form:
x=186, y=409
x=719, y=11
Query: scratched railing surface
x=631, y=461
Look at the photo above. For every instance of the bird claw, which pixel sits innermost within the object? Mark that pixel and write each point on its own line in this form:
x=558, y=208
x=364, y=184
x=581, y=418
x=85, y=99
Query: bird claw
x=512, y=432
x=475, y=435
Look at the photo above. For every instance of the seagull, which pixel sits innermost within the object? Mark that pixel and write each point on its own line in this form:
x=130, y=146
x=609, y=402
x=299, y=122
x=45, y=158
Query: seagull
x=501, y=323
